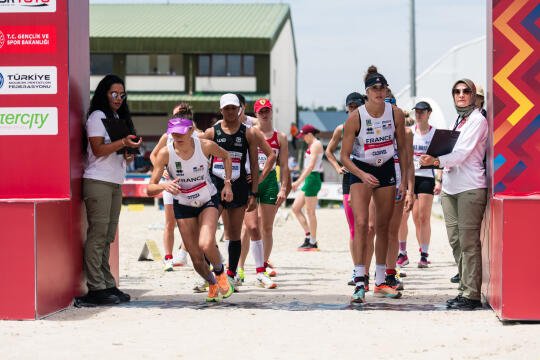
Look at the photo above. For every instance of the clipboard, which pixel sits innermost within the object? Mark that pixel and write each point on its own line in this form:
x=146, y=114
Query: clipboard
x=118, y=129
x=442, y=143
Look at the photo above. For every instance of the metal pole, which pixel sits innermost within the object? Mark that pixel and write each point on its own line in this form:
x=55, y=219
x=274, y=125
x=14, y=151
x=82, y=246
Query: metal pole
x=412, y=51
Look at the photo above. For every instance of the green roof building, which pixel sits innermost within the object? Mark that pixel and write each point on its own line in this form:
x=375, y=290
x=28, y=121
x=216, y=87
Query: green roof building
x=194, y=53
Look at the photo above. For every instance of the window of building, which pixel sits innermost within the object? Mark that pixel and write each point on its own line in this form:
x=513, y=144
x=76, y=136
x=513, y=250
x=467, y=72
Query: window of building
x=101, y=64
x=248, y=65
x=226, y=65
x=154, y=64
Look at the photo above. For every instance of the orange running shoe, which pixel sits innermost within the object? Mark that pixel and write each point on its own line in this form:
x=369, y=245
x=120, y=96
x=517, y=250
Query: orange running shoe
x=226, y=288
x=213, y=293
x=386, y=291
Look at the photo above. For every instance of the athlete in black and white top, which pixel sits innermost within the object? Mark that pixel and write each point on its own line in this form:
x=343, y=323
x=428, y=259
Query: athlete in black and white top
x=196, y=199
x=368, y=151
x=238, y=140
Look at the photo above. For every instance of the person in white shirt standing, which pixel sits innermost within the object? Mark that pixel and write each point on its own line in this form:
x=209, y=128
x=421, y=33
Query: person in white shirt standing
x=464, y=193
x=103, y=177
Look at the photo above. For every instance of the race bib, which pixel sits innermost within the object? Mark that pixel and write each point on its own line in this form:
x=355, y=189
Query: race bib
x=196, y=196
x=218, y=166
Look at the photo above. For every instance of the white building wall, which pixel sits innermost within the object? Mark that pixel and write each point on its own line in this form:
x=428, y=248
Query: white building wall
x=283, y=79
x=434, y=85
x=147, y=83
x=226, y=83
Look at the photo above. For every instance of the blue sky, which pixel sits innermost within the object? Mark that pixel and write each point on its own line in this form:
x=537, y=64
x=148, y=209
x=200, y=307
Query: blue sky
x=337, y=40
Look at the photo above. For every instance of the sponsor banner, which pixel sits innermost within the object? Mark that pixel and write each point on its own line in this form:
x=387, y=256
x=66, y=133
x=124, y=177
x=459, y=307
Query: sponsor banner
x=27, y=6
x=27, y=39
x=28, y=121
x=28, y=80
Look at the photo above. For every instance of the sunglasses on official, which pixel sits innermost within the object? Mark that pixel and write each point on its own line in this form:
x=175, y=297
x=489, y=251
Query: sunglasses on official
x=461, y=91
x=115, y=95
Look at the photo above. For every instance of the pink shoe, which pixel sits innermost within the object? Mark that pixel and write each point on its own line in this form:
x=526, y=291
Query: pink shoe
x=402, y=260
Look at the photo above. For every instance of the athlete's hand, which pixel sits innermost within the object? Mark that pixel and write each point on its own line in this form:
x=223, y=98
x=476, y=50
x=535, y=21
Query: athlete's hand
x=132, y=141
x=409, y=201
x=437, y=189
x=369, y=179
x=166, y=174
x=295, y=185
x=226, y=193
x=281, y=197
x=252, y=203
x=172, y=186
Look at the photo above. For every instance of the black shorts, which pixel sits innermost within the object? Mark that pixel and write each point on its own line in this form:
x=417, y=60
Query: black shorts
x=346, y=183
x=186, y=212
x=424, y=185
x=386, y=173
x=240, y=189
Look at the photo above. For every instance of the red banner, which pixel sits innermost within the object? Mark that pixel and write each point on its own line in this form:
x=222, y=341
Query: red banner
x=27, y=39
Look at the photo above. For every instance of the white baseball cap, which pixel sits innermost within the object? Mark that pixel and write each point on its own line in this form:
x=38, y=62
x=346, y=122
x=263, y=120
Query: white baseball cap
x=229, y=99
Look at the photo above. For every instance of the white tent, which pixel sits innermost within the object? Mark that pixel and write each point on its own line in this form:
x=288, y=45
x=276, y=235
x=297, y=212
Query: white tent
x=434, y=85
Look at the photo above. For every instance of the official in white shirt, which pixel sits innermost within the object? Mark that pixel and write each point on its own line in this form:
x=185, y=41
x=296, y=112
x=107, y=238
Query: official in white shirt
x=464, y=193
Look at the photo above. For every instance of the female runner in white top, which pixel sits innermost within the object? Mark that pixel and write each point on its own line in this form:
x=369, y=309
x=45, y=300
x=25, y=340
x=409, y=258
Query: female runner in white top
x=196, y=203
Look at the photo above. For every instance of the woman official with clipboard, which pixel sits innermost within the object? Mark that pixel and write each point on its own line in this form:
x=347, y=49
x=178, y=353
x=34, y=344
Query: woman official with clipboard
x=464, y=193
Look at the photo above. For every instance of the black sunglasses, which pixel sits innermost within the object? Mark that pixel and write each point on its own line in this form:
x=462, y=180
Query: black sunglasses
x=461, y=91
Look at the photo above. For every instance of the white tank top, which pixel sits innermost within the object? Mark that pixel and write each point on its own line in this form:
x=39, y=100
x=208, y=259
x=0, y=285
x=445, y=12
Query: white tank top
x=249, y=123
x=196, y=188
x=273, y=141
x=420, y=146
x=318, y=163
x=374, y=144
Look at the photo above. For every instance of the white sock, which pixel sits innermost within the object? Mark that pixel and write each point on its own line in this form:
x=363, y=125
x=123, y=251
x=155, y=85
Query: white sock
x=257, y=250
x=182, y=254
x=359, y=271
x=424, y=248
x=312, y=240
x=380, y=273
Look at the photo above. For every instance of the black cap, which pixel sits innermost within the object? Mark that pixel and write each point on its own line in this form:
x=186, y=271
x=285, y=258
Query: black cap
x=374, y=79
x=422, y=105
x=355, y=98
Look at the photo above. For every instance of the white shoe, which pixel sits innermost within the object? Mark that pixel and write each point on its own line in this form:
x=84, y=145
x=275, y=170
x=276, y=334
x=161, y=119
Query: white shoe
x=200, y=287
x=168, y=265
x=180, y=258
x=264, y=281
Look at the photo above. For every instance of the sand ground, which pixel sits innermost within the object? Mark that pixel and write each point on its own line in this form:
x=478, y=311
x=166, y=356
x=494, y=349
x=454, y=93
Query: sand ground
x=308, y=316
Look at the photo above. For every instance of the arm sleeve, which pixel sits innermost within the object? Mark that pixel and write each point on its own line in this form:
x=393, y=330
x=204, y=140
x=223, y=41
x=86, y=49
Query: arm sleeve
x=466, y=143
x=94, y=125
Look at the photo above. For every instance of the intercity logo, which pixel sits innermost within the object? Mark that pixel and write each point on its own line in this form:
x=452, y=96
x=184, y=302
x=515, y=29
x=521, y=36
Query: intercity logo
x=26, y=6
x=29, y=121
x=28, y=80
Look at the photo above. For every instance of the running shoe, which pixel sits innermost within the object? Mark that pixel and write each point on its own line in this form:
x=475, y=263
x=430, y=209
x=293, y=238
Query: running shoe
x=423, y=263
x=309, y=247
x=264, y=281
x=366, y=282
x=394, y=282
x=168, y=265
x=386, y=291
x=213, y=293
x=400, y=273
x=237, y=281
x=270, y=269
x=180, y=258
x=402, y=260
x=304, y=245
x=200, y=287
x=359, y=295
x=226, y=286
x=241, y=275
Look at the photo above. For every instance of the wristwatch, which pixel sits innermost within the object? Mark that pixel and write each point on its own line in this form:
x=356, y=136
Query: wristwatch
x=436, y=162
x=254, y=194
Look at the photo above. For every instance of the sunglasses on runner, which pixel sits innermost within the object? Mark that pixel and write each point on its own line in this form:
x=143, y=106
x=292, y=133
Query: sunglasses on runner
x=116, y=95
x=461, y=91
